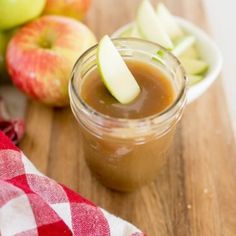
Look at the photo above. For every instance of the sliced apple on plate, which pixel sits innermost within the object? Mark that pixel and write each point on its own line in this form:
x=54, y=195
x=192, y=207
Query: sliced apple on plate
x=194, y=66
x=161, y=27
x=168, y=22
x=150, y=27
x=114, y=72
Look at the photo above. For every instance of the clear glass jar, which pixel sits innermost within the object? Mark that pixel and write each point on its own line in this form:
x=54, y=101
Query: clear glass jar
x=125, y=154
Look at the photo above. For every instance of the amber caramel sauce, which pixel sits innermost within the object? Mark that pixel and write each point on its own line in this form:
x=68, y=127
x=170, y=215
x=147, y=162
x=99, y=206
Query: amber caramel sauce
x=156, y=94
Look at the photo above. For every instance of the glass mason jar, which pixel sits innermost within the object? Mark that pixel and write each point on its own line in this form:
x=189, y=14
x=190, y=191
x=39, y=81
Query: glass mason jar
x=125, y=154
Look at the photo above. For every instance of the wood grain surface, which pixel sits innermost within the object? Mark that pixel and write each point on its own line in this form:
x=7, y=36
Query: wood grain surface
x=195, y=193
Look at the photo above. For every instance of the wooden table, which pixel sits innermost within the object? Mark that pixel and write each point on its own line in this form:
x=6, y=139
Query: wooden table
x=196, y=192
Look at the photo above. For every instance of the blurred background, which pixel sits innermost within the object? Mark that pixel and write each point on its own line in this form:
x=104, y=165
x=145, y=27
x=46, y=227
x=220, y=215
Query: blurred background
x=222, y=18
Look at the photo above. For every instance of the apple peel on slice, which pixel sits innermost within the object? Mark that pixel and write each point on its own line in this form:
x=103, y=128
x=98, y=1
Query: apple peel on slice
x=114, y=72
x=150, y=27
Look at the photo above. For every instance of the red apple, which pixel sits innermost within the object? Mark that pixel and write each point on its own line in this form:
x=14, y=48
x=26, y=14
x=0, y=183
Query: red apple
x=71, y=8
x=41, y=55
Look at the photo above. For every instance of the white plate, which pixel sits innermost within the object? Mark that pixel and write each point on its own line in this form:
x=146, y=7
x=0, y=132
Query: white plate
x=208, y=51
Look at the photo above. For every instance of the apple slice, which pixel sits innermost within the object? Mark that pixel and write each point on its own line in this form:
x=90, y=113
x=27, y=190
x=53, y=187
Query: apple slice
x=194, y=79
x=194, y=66
x=191, y=53
x=168, y=22
x=150, y=27
x=126, y=33
x=135, y=32
x=114, y=72
x=183, y=45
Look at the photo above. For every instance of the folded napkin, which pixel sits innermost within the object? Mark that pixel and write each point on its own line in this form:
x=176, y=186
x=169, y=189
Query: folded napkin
x=33, y=204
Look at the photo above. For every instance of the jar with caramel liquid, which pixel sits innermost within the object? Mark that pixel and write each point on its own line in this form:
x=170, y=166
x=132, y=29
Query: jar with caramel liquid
x=126, y=145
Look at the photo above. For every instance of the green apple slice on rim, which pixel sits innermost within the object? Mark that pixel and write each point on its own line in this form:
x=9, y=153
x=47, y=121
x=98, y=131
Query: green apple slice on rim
x=150, y=27
x=114, y=72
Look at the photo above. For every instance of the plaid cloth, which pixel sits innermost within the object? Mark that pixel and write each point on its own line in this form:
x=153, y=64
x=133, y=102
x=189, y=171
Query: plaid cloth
x=33, y=204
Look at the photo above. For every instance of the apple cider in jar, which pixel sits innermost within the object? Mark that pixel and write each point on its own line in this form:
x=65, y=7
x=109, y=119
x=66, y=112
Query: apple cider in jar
x=126, y=145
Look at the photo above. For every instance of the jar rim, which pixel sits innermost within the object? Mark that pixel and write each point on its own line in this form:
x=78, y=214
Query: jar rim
x=89, y=110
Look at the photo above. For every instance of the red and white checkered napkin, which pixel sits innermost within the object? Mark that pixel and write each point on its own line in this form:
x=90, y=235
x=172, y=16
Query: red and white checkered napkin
x=33, y=204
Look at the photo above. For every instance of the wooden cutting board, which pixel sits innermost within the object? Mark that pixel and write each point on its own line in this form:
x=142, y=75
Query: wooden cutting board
x=196, y=192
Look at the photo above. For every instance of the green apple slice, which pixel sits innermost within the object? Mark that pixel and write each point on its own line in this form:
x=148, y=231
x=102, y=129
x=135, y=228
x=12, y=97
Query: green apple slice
x=150, y=27
x=191, y=53
x=194, y=79
x=168, y=22
x=183, y=45
x=126, y=33
x=135, y=32
x=194, y=66
x=114, y=72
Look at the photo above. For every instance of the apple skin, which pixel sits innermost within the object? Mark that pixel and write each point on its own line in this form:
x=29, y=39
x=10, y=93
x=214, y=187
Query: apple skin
x=41, y=55
x=73, y=8
x=17, y=12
